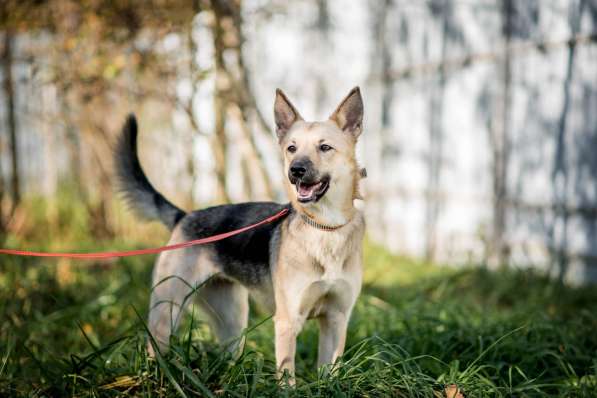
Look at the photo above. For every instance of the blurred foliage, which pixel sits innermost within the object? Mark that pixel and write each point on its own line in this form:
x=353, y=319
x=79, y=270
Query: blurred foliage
x=93, y=61
x=103, y=59
x=92, y=37
x=126, y=16
x=77, y=328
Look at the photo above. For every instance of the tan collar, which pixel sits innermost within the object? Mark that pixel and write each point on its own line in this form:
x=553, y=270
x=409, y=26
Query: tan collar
x=308, y=220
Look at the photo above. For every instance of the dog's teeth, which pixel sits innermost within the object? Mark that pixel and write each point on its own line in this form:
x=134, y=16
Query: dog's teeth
x=306, y=191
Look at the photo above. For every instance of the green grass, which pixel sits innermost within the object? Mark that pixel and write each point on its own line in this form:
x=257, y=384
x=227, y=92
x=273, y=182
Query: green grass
x=77, y=329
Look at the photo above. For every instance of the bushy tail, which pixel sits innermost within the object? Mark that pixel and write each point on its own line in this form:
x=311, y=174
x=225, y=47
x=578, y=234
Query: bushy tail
x=143, y=198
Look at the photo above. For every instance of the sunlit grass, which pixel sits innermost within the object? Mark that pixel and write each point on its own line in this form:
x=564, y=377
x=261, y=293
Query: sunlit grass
x=77, y=329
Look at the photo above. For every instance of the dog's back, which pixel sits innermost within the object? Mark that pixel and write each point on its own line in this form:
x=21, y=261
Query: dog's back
x=244, y=257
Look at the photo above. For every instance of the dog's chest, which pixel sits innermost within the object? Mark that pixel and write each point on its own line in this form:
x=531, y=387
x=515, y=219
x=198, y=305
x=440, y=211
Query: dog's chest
x=321, y=268
x=327, y=250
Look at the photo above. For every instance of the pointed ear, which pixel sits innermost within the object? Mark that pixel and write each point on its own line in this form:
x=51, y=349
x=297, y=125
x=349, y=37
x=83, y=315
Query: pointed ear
x=349, y=114
x=285, y=114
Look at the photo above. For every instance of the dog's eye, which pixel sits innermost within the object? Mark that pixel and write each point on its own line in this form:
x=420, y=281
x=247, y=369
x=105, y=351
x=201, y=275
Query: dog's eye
x=291, y=149
x=324, y=147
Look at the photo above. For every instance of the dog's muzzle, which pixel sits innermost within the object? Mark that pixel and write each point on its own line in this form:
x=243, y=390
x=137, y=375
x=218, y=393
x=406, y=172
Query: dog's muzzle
x=309, y=186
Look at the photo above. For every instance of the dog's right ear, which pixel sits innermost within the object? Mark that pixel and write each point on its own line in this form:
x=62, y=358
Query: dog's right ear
x=285, y=114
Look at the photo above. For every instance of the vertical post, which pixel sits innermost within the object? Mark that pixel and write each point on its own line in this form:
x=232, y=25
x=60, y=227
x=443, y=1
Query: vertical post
x=7, y=63
x=501, y=146
x=380, y=122
x=322, y=27
x=558, y=233
x=436, y=140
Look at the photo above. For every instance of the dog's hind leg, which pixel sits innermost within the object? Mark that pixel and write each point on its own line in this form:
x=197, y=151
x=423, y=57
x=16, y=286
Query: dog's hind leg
x=226, y=303
x=177, y=276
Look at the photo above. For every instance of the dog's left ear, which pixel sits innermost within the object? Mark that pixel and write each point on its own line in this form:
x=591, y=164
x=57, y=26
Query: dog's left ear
x=349, y=114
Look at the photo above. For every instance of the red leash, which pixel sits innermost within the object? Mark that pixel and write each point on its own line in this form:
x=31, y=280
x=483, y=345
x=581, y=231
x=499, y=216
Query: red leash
x=129, y=253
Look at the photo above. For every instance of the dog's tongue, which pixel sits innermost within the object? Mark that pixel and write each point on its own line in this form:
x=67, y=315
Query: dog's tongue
x=306, y=191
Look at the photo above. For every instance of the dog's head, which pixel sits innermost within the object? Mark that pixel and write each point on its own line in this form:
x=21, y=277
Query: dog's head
x=319, y=157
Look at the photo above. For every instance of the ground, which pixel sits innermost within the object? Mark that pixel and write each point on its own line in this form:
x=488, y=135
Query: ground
x=72, y=328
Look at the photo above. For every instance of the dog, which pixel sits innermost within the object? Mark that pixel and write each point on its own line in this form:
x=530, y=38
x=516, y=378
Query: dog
x=307, y=265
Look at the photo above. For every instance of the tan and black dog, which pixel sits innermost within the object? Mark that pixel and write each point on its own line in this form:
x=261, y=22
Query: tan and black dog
x=307, y=265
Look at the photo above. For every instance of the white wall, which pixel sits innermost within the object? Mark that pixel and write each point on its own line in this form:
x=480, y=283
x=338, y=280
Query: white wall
x=316, y=65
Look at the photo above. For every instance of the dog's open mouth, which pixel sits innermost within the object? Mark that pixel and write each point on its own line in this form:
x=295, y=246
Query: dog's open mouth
x=311, y=192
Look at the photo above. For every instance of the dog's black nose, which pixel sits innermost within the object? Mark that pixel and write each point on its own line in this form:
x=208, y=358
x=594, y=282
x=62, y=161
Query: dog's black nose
x=298, y=171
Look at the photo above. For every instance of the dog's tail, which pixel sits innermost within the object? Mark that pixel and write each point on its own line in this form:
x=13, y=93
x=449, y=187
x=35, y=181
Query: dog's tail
x=142, y=197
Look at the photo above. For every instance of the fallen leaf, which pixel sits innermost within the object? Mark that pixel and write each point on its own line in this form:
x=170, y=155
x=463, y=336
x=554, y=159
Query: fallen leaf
x=452, y=391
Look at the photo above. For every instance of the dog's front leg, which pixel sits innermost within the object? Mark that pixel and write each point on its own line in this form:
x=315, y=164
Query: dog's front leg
x=332, y=336
x=286, y=333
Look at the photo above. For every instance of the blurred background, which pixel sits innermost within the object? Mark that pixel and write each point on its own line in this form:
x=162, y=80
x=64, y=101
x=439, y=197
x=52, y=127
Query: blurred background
x=480, y=143
x=480, y=115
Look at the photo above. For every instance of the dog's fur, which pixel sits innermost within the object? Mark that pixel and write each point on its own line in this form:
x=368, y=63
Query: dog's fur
x=307, y=265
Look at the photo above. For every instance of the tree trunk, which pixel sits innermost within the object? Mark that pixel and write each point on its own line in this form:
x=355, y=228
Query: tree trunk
x=7, y=63
x=253, y=163
x=246, y=103
x=219, y=140
x=98, y=141
x=2, y=219
x=239, y=94
x=190, y=111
